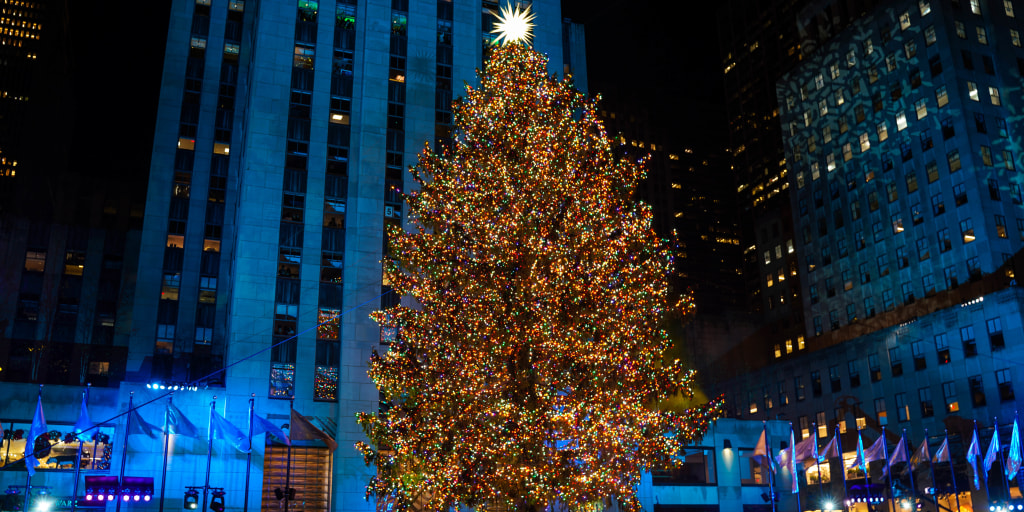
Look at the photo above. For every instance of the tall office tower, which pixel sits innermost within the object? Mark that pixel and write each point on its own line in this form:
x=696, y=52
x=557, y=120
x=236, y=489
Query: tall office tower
x=283, y=139
x=21, y=24
x=904, y=163
x=759, y=43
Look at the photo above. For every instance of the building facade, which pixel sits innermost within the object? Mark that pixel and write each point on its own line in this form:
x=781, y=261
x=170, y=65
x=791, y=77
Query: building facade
x=903, y=157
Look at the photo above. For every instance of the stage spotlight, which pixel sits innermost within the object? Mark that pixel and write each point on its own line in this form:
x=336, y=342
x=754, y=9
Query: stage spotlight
x=191, y=499
x=217, y=501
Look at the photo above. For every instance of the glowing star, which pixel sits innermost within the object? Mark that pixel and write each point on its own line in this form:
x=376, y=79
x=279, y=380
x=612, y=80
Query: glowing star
x=514, y=25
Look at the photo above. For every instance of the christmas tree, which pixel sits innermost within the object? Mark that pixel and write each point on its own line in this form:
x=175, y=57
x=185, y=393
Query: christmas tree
x=530, y=371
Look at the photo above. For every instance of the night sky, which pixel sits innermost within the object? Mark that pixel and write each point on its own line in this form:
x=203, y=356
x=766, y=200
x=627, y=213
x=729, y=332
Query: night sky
x=660, y=55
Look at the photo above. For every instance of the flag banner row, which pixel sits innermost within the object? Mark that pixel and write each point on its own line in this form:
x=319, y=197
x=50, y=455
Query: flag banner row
x=806, y=452
x=37, y=437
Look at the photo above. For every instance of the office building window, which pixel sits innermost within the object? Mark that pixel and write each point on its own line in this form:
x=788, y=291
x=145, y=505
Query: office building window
x=994, y=326
x=942, y=348
x=982, y=35
x=798, y=385
x=917, y=350
x=880, y=413
x=972, y=91
x=851, y=368
x=902, y=408
x=969, y=343
x=1005, y=383
x=950, y=274
x=816, y=383
x=976, y=390
x=953, y=158
x=949, y=396
x=874, y=368
x=924, y=395
x=1000, y=222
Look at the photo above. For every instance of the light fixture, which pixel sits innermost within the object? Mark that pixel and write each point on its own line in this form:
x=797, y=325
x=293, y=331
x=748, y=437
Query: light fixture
x=828, y=506
x=727, y=444
x=191, y=499
x=217, y=501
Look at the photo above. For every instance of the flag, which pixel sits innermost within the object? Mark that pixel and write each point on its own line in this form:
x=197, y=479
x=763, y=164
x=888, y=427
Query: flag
x=802, y=450
x=1013, y=458
x=973, y=452
x=921, y=455
x=137, y=425
x=876, y=451
x=261, y=425
x=792, y=461
x=84, y=423
x=899, y=454
x=177, y=423
x=993, y=450
x=942, y=454
x=225, y=430
x=301, y=428
x=860, y=461
x=761, y=455
x=38, y=428
x=831, y=450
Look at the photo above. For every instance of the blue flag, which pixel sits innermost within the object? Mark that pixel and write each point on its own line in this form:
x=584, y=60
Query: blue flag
x=38, y=428
x=223, y=429
x=973, y=452
x=993, y=450
x=137, y=425
x=84, y=423
x=1013, y=458
x=261, y=425
x=792, y=462
x=177, y=423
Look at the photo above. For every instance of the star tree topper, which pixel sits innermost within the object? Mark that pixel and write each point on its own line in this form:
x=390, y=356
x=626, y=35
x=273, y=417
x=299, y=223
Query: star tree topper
x=514, y=25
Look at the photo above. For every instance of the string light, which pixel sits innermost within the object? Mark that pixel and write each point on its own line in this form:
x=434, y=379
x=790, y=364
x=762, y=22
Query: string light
x=533, y=368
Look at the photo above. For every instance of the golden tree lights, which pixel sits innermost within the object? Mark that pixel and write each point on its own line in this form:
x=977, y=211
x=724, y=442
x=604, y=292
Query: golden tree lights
x=532, y=370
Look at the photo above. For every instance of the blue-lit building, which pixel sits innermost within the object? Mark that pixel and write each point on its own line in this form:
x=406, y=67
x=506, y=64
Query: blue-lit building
x=903, y=158
x=283, y=136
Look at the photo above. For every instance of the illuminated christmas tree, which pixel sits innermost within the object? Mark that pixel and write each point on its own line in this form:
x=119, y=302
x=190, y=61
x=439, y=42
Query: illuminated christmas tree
x=530, y=371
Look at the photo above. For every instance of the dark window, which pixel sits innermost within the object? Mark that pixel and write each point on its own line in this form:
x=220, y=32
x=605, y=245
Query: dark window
x=920, y=363
x=967, y=337
x=1005, y=382
x=874, y=368
x=816, y=383
x=995, y=333
x=895, y=362
x=833, y=376
x=851, y=367
x=977, y=390
x=925, y=396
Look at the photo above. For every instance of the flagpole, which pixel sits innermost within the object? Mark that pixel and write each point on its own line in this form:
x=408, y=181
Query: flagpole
x=931, y=470
x=1002, y=461
x=78, y=457
x=842, y=466
x=167, y=443
x=124, y=450
x=288, y=468
x=248, y=458
x=768, y=455
x=817, y=461
x=952, y=472
x=906, y=452
x=32, y=444
x=792, y=462
x=209, y=449
x=888, y=470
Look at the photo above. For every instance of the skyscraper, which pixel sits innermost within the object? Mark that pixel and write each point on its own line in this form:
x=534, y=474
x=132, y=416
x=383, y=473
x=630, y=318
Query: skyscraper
x=903, y=166
x=284, y=132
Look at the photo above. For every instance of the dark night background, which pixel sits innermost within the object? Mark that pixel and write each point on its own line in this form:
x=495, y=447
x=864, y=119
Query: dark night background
x=659, y=56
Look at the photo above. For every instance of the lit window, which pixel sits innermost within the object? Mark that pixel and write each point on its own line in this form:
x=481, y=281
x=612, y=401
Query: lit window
x=976, y=6
x=961, y=32
x=839, y=97
x=35, y=261
x=941, y=97
x=819, y=81
x=1015, y=38
x=925, y=6
x=830, y=162
x=851, y=59
x=904, y=20
x=778, y=351
x=220, y=148
x=865, y=142
x=929, y=35
x=883, y=131
x=847, y=152
x=823, y=106
x=800, y=342
x=901, y=121
x=972, y=91
x=986, y=155
x=982, y=35
x=922, y=108
x=789, y=346
x=1008, y=7
x=993, y=94
x=833, y=71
